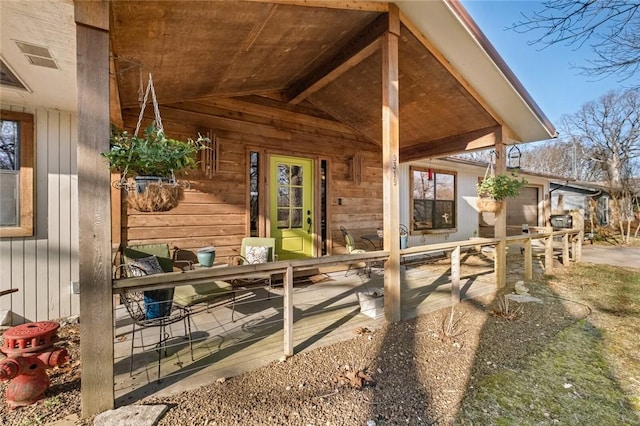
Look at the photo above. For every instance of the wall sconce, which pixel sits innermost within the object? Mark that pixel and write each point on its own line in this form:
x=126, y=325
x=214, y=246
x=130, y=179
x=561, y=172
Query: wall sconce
x=513, y=157
x=210, y=158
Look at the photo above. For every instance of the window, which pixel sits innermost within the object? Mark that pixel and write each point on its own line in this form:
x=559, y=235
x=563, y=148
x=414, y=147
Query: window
x=254, y=193
x=16, y=174
x=433, y=199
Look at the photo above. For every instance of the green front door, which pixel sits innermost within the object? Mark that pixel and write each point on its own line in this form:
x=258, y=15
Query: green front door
x=291, y=206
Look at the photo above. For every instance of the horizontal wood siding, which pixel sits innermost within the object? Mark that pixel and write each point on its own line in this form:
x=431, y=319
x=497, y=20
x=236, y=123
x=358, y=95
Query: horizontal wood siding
x=43, y=266
x=213, y=212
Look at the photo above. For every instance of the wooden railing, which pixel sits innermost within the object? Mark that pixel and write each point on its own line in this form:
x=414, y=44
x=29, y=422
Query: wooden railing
x=290, y=267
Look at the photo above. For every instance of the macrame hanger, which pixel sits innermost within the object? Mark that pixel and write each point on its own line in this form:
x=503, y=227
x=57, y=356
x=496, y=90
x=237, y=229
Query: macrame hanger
x=123, y=179
x=489, y=171
x=156, y=109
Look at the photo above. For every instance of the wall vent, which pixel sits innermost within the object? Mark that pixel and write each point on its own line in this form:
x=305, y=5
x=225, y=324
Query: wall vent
x=37, y=55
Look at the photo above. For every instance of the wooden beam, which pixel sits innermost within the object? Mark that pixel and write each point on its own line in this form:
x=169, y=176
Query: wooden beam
x=500, y=225
x=92, y=13
x=288, y=311
x=96, y=307
x=355, y=51
x=390, y=163
x=275, y=113
x=369, y=6
x=477, y=139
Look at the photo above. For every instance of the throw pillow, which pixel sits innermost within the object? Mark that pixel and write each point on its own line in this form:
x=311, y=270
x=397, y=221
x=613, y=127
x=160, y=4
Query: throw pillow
x=257, y=254
x=144, y=266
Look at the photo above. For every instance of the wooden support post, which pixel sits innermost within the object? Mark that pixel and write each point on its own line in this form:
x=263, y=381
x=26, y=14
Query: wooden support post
x=577, y=217
x=500, y=226
x=455, y=275
x=528, y=260
x=500, y=264
x=94, y=190
x=548, y=252
x=288, y=311
x=565, y=250
x=390, y=160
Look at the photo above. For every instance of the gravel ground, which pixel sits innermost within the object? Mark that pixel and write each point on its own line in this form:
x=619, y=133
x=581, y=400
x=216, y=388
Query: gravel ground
x=414, y=372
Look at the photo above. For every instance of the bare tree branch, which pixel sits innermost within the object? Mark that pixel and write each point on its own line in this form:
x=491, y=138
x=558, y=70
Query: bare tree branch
x=610, y=27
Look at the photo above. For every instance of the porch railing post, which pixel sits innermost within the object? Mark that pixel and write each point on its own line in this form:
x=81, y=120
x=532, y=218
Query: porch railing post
x=528, y=260
x=565, y=250
x=288, y=311
x=455, y=275
x=548, y=252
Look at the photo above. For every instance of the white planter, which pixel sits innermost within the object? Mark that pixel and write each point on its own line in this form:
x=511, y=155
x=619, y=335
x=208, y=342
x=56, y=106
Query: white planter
x=371, y=302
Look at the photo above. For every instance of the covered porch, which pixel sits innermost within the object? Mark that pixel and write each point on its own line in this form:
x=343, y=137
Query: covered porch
x=327, y=82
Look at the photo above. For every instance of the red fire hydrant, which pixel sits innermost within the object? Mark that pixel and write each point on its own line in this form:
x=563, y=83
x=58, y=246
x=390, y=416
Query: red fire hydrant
x=30, y=352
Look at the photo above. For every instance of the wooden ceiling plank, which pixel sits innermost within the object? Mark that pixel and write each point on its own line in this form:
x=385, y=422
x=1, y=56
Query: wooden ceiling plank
x=369, y=6
x=355, y=51
x=440, y=57
x=277, y=114
x=477, y=139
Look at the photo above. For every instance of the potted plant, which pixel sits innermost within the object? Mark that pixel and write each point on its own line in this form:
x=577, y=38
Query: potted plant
x=492, y=190
x=404, y=236
x=152, y=161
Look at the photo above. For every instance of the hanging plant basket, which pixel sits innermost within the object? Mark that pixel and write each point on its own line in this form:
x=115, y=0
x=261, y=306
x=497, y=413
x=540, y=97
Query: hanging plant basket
x=489, y=205
x=153, y=194
x=152, y=159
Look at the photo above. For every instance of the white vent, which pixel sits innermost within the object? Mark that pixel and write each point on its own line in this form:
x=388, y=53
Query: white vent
x=37, y=55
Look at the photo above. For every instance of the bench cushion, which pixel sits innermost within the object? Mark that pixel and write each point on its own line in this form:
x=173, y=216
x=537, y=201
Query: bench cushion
x=188, y=295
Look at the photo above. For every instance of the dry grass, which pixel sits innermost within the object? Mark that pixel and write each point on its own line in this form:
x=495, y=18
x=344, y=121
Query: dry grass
x=589, y=373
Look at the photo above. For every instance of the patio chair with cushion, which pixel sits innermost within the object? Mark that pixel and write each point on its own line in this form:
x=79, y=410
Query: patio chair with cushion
x=255, y=250
x=151, y=308
x=352, y=248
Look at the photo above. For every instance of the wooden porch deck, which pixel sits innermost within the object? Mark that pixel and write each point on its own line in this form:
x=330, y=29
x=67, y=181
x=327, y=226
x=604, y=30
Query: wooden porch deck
x=325, y=312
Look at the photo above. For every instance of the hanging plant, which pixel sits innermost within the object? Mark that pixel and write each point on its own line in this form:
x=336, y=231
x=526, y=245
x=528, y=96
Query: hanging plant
x=152, y=161
x=152, y=154
x=493, y=190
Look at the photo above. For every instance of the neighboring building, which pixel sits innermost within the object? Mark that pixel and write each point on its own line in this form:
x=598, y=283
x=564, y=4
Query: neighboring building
x=589, y=197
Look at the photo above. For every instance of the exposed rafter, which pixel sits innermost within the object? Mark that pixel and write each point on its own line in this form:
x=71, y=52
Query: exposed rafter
x=370, y=6
x=477, y=139
x=354, y=52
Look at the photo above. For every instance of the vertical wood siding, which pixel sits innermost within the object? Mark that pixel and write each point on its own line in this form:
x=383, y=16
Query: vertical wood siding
x=43, y=266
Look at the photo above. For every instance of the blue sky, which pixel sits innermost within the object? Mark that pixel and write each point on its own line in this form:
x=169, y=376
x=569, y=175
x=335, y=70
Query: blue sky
x=547, y=74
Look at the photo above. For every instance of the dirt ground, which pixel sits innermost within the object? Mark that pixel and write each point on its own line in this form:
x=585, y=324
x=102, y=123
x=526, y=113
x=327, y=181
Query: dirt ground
x=411, y=372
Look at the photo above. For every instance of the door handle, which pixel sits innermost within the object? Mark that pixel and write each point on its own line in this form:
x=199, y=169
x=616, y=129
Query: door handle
x=309, y=223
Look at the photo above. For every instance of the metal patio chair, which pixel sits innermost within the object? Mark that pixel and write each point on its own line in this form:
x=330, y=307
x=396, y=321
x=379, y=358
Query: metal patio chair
x=154, y=308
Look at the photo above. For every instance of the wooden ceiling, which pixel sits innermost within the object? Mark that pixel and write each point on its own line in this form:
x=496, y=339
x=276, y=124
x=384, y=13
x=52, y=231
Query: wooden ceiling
x=315, y=64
